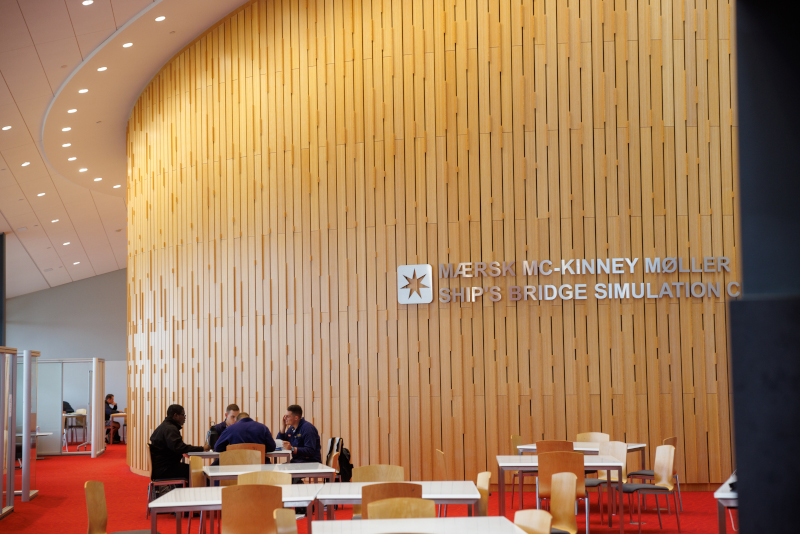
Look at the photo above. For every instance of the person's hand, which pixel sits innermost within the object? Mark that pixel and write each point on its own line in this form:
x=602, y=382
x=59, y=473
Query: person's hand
x=287, y=445
x=206, y=447
x=285, y=422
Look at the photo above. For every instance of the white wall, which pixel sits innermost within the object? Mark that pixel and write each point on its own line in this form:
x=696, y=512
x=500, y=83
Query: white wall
x=83, y=319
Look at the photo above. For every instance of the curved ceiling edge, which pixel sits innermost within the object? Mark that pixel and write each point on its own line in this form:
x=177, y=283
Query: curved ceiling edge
x=83, y=133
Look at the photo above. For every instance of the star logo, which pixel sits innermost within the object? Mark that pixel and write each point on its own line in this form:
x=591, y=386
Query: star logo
x=414, y=284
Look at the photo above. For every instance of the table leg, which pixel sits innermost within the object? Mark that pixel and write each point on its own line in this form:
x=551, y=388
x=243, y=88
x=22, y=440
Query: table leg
x=178, y=518
x=644, y=457
x=469, y=510
x=315, y=506
x=723, y=521
x=621, y=515
x=153, y=522
x=501, y=488
x=212, y=521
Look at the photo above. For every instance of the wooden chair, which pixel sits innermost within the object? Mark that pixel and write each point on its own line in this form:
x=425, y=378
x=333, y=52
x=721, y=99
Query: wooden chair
x=517, y=440
x=285, y=522
x=249, y=509
x=97, y=511
x=593, y=437
x=387, y=490
x=648, y=474
x=563, y=489
x=662, y=484
x=440, y=472
x=239, y=457
x=250, y=447
x=268, y=478
x=552, y=445
x=402, y=508
x=551, y=463
x=335, y=465
x=376, y=473
x=618, y=450
x=196, y=480
x=484, y=479
x=155, y=482
x=533, y=521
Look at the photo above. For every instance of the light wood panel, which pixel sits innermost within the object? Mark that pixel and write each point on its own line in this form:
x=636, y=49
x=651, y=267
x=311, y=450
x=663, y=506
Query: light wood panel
x=283, y=165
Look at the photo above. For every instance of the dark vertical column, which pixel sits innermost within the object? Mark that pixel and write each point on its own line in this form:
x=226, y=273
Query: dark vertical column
x=2, y=289
x=765, y=324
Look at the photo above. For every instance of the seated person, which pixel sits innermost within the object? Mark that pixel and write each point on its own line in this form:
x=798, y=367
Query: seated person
x=167, y=447
x=231, y=412
x=300, y=436
x=66, y=407
x=246, y=430
x=111, y=408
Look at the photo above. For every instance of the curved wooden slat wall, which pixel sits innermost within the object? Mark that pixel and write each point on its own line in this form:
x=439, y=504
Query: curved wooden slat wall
x=284, y=164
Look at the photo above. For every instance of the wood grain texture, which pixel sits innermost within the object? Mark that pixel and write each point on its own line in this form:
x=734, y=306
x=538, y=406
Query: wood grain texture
x=284, y=164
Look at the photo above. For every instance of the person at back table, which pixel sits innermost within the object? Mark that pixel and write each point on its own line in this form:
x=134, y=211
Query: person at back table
x=231, y=413
x=167, y=447
x=246, y=430
x=300, y=436
x=111, y=408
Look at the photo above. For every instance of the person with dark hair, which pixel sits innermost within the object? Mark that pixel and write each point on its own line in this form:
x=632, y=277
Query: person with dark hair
x=246, y=430
x=111, y=408
x=66, y=407
x=300, y=436
x=231, y=412
x=167, y=447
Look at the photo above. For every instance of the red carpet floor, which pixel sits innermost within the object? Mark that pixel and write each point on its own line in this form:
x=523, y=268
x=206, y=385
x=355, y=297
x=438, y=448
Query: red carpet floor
x=61, y=507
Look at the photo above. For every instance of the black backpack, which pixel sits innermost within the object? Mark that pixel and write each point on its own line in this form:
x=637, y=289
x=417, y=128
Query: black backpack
x=345, y=467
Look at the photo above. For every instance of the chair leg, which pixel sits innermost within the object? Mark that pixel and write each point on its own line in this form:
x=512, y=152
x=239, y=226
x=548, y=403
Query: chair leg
x=538, y=501
x=149, y=490
x=521, y=494
x=669, y=512
x=658, y=510
x=677, y=513
x=640, y=511
x=600, y=502
x=680, y=499
x=513, y=488
x=630, y=507
x=586, y=505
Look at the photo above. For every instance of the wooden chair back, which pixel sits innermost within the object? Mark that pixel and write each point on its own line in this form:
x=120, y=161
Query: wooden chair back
x=402, y=508
x=250, y=447
x=239, y=457
x=440, y=468
x=552, y=445
x=533, y=521
x=196, y=479
x=387, y=490
x=551, y=463
x=267, y=478
x=96, y=507
x=285, y=522
x=516, y=441
x=376, y=473
x=593, y=437
x=663, y=466
x=674, y=442
x=483, y=488
x=562, y=502
x=249, y=509
x=335, y=462
x=618, y=450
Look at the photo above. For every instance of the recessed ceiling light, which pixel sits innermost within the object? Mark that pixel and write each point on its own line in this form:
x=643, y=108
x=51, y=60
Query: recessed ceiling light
x=6, y=127
x=88, y=2
x=54, y=221
x=127, y=45
x=117, y=186
x=98, y=179
x=83, y=91
x=71, y=110
x=101, y=69
x=65, y=145
x=159, y=19
x=76, y=263
x=40, y=195
x=26, y=163
x=67, y=243
x=66, y=129
x=83, y=170
x=73, y=158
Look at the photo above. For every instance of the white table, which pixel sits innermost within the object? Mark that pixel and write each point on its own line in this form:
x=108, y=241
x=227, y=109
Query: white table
x=122, y=424
x=212, y=455
x=587, y=447
x=726, y=498
x=455, y=492
x=531, y=464
x=441, y=525
x=299, y=470
x=209, y=499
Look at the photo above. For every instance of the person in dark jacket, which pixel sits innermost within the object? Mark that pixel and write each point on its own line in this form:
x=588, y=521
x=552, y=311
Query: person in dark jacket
x=111, y=408
x=231, y=413
x=66, y=407
x=246, y=430
x=300, y=436
x=167, y=447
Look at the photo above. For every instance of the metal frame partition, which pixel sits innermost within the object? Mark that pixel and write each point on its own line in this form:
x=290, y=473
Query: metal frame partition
x=8, y=415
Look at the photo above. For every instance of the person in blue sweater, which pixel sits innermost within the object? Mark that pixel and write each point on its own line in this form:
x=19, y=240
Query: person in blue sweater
x=300, y=436
x=245, y=430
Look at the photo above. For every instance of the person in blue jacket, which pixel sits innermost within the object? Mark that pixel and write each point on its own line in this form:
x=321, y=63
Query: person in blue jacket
x=300, y=436
x=245, y=430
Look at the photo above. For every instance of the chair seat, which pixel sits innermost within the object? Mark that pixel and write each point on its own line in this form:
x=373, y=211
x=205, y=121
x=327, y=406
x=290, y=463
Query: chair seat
x=632, y=488
x=594, y=482
x=558, y=531
x=642, y=473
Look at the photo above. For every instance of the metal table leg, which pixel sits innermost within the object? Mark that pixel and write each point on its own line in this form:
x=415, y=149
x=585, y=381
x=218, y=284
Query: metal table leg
x=501, y=488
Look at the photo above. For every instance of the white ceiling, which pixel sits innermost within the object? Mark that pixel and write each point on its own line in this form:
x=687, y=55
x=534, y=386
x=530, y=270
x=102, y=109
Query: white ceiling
x=47, y=49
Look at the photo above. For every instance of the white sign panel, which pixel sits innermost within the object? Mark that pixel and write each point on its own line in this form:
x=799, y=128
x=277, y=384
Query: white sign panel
x=415, y=284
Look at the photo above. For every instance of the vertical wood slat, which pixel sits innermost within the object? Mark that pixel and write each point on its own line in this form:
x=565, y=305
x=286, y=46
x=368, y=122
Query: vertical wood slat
x=284, y=164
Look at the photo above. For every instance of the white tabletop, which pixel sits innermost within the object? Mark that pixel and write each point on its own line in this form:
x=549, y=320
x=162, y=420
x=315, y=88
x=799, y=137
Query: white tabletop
x=442, y=525
x=73, y=415
x=531, y=463
x=584, y=446
x=435, y=491
x=120, y=414
x=277, y=453
x=299, y=470
x=37, y=434
x=211, y=497
x=725, y=491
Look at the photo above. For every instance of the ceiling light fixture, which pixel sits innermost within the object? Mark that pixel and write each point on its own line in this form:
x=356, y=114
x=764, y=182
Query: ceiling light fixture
x=66, y=129
x=40, y=195
x=117, y=186
x=67, y=243
x=83, y=91
x=71, y=110
x=98, y=179
x=88, y=2
x=76, y=263
x=101, y=69
x=54, y=221
x=73, y=158
x=159, y=19
x=6, y=128
x=83, y=170
x=65, y=145
x=127, y=45
x=26, y=163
